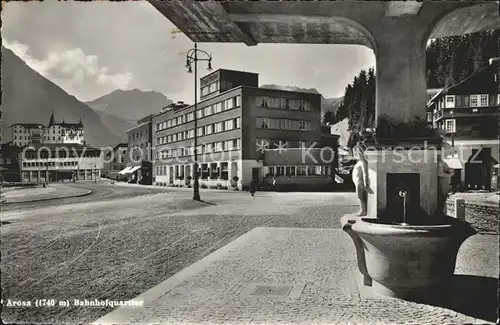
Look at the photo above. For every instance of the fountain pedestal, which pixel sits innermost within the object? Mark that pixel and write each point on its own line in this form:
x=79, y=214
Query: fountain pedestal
x=392, y=169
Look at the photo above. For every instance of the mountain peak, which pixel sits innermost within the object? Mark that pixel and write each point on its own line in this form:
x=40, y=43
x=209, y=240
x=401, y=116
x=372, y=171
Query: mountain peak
x=130, y=104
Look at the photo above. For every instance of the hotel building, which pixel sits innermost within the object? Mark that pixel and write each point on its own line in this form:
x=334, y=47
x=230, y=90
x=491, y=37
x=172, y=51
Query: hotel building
x=243, y=132
x=28, y=133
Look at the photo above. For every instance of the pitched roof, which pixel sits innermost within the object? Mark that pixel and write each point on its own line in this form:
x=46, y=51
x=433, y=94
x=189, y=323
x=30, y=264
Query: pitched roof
x=29, y=125
x=481, y=82
x=68, y=125
x=51, y=120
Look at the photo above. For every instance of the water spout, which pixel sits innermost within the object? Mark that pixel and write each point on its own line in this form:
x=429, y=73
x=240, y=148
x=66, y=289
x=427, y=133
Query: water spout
x=403, y=194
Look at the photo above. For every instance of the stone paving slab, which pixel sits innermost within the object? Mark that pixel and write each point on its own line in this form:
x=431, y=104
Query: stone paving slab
x=52, y=191
x=317, y=265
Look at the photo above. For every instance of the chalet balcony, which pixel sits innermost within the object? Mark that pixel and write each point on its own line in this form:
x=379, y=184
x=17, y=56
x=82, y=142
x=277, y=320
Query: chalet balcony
x=461, y=112
x=473, y=111
x=438, y=115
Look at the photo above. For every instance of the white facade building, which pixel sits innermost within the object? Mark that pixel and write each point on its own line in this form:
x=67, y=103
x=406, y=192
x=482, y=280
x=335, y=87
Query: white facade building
x=33, y=133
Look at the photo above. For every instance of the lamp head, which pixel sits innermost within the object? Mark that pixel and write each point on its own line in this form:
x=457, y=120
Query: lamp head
x=209, y=66
x=189, y=70
x=188, y=64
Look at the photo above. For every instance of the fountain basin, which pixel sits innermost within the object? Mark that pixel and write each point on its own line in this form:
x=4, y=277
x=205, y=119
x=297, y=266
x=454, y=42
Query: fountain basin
x=407, y=261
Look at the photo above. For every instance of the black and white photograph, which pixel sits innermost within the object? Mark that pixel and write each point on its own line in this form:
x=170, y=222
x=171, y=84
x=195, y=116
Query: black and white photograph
x=184, y=162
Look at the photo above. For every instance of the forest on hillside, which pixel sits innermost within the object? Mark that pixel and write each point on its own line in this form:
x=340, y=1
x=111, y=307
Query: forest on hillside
x=448, y=61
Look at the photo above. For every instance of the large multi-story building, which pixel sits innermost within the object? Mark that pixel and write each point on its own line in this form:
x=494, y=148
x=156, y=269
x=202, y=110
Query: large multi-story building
x=468, y=115
x=243, y=132
x=28, y=133
x=40, y=163
x=139, y=160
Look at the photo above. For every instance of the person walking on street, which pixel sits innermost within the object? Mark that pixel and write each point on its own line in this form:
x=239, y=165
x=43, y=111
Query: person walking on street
x=253, y=186
x=274, y=183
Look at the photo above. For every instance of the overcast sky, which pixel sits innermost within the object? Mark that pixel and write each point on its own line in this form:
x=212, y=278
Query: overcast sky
x=91, y=49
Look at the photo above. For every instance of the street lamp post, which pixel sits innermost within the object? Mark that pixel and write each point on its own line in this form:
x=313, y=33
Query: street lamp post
x=192, y=57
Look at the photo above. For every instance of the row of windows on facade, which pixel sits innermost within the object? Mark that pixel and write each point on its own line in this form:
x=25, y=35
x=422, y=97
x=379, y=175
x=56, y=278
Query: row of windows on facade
x=234, y=144
x=80, y=172
x=206, y=170
x=50, y=163
x=54, y=131
x=223, y=126
x=292, y=171
x=276, y=144
x=283, y=124
x=141, y=145
x=481, y=100
x=212, y=171
x=28, y=138
x=284, y=103
x=141, y=158
x=137, y=135
x=200, y=113
x=215, y=86
x=44, y=154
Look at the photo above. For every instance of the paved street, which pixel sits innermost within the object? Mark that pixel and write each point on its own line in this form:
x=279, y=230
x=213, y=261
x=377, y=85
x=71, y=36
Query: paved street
x=309, y=276
x=122, y=240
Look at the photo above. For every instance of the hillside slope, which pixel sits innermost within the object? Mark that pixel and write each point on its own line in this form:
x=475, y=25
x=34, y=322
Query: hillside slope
x=28, y=97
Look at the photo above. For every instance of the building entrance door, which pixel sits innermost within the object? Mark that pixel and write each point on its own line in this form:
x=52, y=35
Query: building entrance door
x=256, y=174
x=478, y=169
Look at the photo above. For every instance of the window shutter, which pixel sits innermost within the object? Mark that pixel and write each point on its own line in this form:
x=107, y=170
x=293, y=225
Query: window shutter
x=492, y=99
x=466, y=101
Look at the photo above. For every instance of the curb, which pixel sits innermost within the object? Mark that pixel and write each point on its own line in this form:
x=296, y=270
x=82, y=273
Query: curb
x=88, y=192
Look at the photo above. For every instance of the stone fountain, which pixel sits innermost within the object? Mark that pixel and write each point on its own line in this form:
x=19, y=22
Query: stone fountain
x=405, y=248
